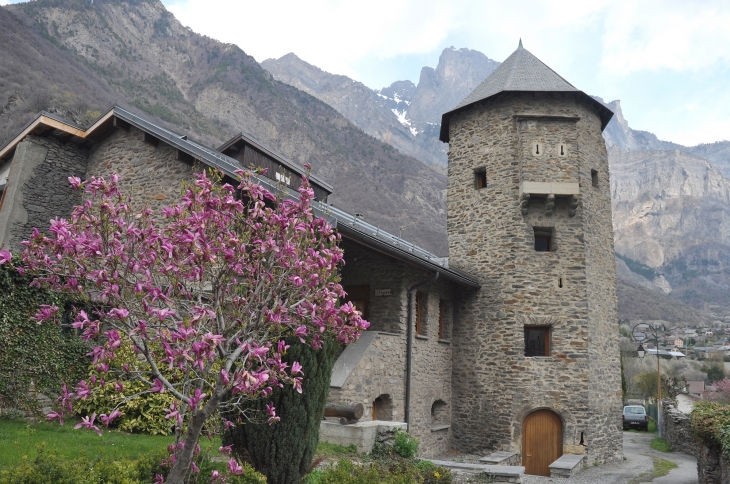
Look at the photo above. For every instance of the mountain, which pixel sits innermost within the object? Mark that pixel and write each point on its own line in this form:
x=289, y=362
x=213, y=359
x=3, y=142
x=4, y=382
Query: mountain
x=77, y=58
x=656, y=214
x=35, y=74
x=404, y=115
x=135, y=52
x=352, y=99
x=671, y=212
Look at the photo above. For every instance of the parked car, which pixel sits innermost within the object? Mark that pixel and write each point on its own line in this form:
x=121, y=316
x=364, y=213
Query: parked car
x=635, y=417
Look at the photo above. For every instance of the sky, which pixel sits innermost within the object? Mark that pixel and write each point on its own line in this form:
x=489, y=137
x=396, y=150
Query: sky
x=667, y=61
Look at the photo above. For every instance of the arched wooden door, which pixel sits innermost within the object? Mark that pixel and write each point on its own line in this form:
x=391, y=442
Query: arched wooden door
x=542, y=442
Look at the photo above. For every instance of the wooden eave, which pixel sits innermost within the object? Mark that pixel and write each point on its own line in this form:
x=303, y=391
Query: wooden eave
x=38, y=126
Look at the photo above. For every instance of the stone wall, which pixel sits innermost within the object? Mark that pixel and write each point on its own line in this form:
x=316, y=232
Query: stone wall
x=382, y=369
x=677, y=429
x=712, y=467
x=495, y=385
x=38, y=188
x=151, y=174
x=431, y=400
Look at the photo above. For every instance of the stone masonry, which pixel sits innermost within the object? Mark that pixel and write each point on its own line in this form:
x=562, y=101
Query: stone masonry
x=571, y=289
x=382, y=369
x=150, y=174
x=41, y=167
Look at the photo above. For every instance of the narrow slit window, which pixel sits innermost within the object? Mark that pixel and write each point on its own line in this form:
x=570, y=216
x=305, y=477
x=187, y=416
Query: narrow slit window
x=543, y=239
x=537, y=340
x=594, y=178
x=480, y=179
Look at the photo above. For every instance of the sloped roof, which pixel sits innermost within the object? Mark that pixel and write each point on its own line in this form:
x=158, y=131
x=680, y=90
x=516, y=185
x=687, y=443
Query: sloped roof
x=348, y=225
x=521, y=72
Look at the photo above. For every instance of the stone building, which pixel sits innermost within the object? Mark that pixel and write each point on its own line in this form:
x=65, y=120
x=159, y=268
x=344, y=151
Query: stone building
x=536, y=360
x=510, y=344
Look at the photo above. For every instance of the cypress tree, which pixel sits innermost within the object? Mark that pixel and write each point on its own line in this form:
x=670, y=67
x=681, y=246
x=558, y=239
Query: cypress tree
x=283, y=452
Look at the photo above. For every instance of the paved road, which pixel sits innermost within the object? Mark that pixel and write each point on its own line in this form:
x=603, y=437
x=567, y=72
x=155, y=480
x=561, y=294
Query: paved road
x=635, y=468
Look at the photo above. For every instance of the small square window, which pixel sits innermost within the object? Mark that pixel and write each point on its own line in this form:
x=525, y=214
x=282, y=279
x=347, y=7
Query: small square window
x=543, y=239
x=594, y=178
x=537, y=340
x=480, y=179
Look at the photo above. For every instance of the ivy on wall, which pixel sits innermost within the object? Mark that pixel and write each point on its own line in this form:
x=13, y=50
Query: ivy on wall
x=711, y=424
x=33, y=358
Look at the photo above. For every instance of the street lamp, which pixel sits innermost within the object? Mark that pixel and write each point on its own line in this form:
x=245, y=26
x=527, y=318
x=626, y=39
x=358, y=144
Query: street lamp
x=643, y=332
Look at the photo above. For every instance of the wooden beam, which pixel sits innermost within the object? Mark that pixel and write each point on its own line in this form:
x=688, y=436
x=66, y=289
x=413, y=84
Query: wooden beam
x=148, y=138
x=182, y=156
x=62, y=126
x=121, y=124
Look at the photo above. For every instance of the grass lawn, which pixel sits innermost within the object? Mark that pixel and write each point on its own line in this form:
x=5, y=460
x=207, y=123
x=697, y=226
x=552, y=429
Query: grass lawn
x=19, y=438
x=335, y=451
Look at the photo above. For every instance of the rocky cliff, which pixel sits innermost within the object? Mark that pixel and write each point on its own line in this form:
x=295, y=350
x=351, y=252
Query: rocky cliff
x=671, y=211
x=404, y=115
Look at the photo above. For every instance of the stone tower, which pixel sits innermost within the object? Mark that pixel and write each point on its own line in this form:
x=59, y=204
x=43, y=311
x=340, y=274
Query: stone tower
x=529, y=211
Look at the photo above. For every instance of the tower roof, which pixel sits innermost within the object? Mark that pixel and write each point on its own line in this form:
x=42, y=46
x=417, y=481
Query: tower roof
x=521, y=72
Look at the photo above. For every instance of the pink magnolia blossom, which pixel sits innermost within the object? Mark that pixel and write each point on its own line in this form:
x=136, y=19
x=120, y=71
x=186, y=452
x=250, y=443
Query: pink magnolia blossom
x=88, y=423
x=235, y=467
x=208, y=287
x=112, y=416
x=5, y=256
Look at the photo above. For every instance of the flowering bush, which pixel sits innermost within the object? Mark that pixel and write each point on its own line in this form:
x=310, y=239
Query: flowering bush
x=210, y=290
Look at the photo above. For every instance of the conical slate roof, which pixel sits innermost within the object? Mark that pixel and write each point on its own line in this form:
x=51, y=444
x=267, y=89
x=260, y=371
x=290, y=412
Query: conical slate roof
x=520, y=72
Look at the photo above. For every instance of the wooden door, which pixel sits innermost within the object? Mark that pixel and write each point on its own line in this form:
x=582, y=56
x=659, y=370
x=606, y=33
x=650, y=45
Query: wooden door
x=542, y=442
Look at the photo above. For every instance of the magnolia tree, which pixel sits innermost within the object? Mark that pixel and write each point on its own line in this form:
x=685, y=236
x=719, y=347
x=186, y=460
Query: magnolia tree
x=204, y=292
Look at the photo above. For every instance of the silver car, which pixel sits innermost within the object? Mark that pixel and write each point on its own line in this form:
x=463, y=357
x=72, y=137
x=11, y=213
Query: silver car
x=635, y=417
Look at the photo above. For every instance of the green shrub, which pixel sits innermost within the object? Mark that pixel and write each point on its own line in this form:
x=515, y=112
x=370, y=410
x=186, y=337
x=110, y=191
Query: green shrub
x=49, y=467
x=141, y=413
x=284, y=452
x=405, y=444
x=711, y=424
x=390, y=471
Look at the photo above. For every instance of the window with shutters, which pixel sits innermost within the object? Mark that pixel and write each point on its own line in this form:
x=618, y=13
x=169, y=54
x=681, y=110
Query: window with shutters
x=421, y=313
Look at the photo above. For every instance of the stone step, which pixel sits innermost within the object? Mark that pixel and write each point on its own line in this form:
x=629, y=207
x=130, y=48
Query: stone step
x=567, y=465
x=501, y=458
x=498, y=473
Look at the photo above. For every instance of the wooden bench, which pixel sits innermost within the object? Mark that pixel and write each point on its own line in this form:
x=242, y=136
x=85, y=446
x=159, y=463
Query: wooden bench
x=567, y=465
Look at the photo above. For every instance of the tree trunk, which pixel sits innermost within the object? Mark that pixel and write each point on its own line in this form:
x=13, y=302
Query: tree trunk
x=195, y=426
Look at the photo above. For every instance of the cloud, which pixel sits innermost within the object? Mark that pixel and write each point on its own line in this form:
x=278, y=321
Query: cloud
x=651, y=35
x=330, y=34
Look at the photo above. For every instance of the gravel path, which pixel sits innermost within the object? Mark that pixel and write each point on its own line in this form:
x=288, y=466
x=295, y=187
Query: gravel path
x=635, y=468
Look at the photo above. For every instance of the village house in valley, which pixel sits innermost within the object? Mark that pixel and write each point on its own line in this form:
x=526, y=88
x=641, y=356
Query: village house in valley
x=508, y=346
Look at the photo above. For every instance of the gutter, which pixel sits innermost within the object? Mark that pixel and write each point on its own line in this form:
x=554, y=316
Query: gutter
x=409, y=345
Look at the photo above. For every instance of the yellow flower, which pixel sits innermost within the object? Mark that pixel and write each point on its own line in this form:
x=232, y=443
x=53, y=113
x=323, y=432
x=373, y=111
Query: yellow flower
x=436, y=475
